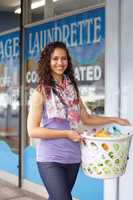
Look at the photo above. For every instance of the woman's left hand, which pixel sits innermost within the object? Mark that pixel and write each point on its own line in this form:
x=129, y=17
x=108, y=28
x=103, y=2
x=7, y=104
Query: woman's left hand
x=123, y=122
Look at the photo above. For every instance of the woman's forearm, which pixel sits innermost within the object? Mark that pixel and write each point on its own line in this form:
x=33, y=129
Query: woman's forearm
x=99, y=120
x=47, y=133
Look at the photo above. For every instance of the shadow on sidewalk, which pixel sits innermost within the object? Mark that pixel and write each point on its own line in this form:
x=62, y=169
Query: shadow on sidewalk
x=9, y=191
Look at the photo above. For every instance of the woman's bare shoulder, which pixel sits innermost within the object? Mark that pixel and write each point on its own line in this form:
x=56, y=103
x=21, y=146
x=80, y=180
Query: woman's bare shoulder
x=38, y=96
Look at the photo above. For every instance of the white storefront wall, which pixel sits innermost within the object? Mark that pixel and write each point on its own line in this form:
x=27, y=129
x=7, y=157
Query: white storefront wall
x=126, y=181
x=118, y=80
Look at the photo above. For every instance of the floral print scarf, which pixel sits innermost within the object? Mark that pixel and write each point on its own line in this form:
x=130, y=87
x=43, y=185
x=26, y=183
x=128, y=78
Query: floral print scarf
x=62, y=103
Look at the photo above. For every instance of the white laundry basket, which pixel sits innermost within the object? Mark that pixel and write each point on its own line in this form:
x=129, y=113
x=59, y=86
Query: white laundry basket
x=105, y=157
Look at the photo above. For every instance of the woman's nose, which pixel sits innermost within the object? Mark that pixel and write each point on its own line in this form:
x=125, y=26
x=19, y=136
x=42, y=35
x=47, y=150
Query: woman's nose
x=60, y=61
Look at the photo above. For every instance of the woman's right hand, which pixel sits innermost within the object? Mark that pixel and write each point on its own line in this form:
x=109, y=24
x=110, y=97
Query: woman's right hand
x=74, y=136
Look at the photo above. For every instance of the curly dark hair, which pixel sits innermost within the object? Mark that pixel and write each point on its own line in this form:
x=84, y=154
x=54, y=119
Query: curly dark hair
x=44, y=70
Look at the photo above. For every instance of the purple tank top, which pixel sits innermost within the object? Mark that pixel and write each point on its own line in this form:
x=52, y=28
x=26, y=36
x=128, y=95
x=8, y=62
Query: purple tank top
x=61, y=150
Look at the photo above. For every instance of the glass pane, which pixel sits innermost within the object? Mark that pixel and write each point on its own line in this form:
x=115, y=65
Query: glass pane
x=9, y=87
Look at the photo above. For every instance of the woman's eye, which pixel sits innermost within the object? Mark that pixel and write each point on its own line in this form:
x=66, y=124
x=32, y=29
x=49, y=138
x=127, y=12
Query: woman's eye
x=62, y=59
x=55, y=58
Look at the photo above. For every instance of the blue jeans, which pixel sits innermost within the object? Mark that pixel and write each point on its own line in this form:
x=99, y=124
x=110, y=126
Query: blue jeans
x=58, y=179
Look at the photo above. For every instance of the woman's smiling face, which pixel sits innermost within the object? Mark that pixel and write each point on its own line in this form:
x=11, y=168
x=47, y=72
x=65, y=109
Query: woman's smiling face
x=58, y=62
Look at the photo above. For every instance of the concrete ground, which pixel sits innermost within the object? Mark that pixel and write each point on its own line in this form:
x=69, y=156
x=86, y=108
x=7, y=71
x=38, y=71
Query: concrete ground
x=11, y=192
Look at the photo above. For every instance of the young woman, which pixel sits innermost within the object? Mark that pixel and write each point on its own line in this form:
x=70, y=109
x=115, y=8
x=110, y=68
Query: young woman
x=55, y=112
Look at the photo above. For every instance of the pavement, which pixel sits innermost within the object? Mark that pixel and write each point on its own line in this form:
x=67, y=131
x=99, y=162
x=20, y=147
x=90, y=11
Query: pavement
x=11, y=192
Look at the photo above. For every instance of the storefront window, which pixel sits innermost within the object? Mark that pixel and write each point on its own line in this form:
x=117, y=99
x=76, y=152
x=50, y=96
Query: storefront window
x=9, y=76
x=9, y=89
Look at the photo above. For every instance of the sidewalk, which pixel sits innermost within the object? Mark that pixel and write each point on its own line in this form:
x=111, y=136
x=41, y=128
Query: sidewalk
x=11, y=192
